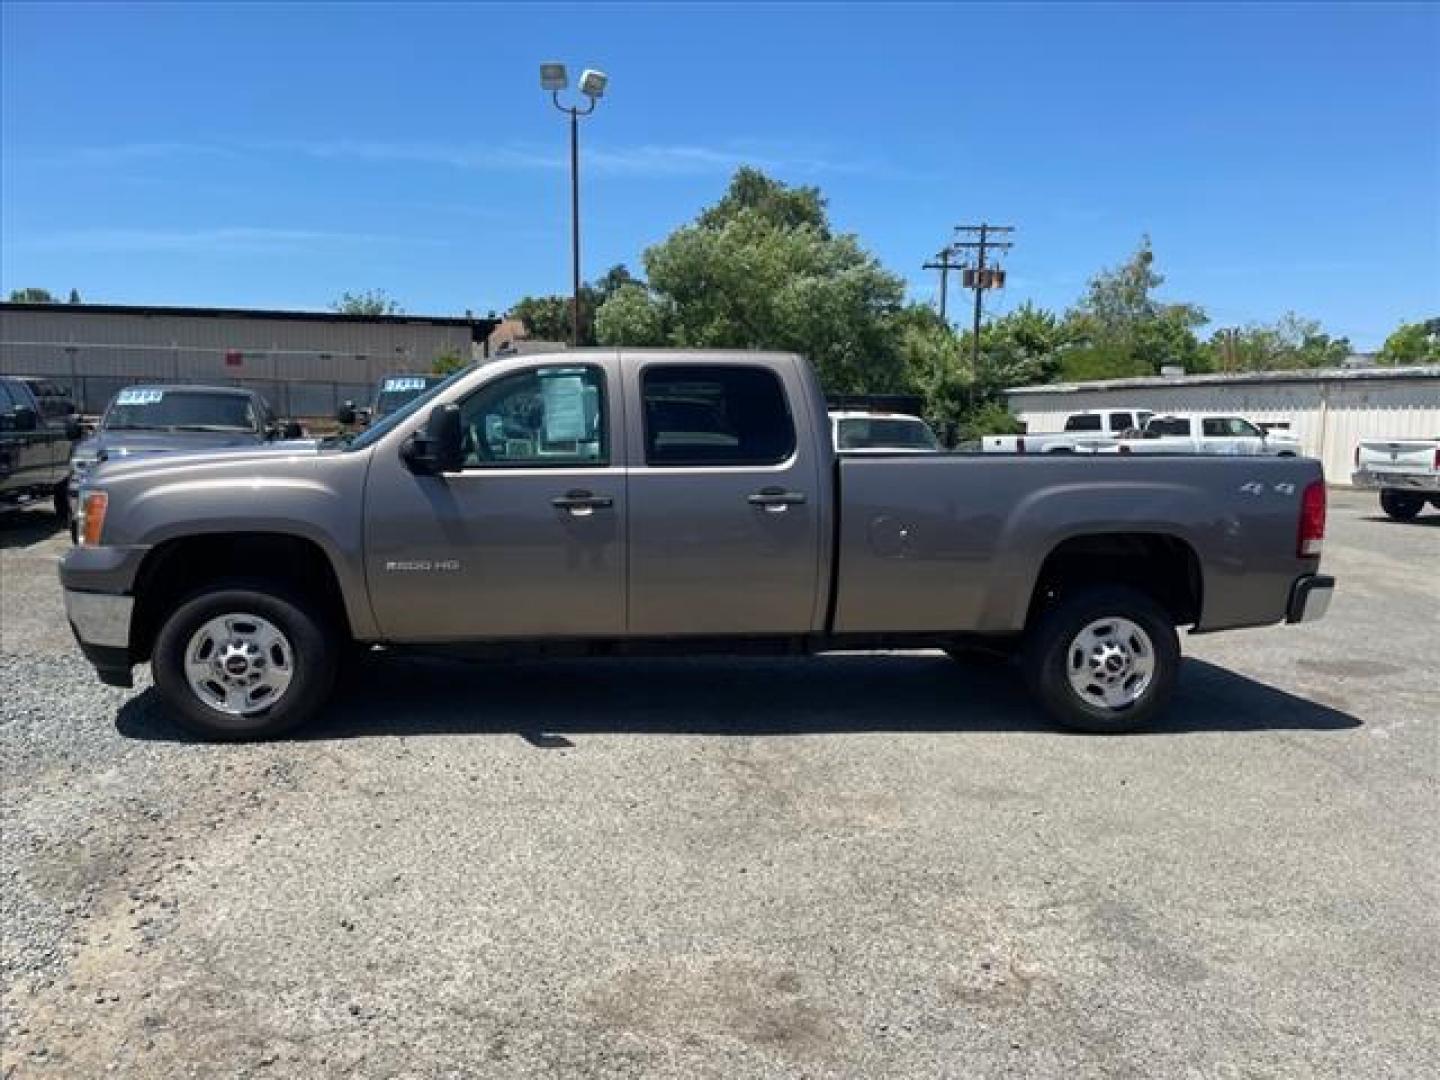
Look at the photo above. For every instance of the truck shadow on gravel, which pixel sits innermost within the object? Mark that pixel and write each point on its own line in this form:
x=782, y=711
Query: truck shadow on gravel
x=22, y=528
x=543, y=701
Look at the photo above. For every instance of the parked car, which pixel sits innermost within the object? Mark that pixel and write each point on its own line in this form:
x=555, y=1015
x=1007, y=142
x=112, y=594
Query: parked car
x=391, y=394
x=1202, y=433
x=34, y=449
x=1084, y=432
x=168, y=419
x=1406, y=472
x=873, y=432
x=617, y=502
x=57, y=404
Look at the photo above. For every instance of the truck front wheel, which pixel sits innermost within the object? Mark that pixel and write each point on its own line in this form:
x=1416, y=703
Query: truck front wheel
x=244, y=662
x=1103, y=659
x=1401, y=505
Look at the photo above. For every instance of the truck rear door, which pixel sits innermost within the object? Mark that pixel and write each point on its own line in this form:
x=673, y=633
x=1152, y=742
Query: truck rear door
x=725, y=496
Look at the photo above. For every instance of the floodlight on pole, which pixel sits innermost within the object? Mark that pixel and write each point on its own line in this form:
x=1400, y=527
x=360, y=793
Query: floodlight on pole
x=593, y=83
x=554, y=78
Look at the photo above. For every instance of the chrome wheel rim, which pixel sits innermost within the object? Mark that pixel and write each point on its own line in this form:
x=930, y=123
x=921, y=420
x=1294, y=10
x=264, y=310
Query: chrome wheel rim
x=239, y=664
x=1111, y=663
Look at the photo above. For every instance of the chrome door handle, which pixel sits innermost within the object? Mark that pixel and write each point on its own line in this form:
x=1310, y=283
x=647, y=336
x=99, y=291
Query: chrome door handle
x=581, y=502
x=774, y=500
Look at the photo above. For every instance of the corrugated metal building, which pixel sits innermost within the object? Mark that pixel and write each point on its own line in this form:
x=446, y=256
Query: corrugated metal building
x=1328, y=410
x=304, y=362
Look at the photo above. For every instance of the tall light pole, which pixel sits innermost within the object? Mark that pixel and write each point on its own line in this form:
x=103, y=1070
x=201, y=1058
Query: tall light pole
x=554, y=78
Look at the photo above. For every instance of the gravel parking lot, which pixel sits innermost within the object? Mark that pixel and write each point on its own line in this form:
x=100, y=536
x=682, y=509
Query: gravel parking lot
x=845, y=866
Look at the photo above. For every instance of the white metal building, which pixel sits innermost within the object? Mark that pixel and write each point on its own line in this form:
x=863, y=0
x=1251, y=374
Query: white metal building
x=304, y=362
x=1329, y=410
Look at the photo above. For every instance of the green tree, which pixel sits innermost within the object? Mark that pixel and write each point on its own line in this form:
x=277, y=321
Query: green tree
x=1412, y=343
x=1290, y=343
x=631, y=316
x=74, y=296
x=548, y=318
x=545, y=317
x=1123, y=327
x=447, y=362
x=371, y=304
x=32, y=295
x=762, y=269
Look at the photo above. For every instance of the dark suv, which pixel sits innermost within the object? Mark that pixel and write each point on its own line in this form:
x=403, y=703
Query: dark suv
x=34, y=448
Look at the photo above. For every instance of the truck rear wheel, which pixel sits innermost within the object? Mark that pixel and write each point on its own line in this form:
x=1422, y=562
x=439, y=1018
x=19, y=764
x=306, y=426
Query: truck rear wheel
x=1401, y=505
x=244, y=662
x=1103, y=660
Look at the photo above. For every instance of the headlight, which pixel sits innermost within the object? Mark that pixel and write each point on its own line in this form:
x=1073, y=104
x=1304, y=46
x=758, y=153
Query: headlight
x=90, y=522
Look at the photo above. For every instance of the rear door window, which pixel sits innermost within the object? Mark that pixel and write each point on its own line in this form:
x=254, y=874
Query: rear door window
x=700, y=414
x=1121, y=421
x=1168, y=426
x=1083, y=423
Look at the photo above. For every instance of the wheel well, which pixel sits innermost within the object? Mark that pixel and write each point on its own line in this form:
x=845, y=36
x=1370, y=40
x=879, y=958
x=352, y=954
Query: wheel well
x=1164, y=567
x=177, y=568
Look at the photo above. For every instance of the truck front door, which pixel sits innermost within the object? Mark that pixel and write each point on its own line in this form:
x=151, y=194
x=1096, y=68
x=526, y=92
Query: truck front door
x=528, y=538
x=725, y=498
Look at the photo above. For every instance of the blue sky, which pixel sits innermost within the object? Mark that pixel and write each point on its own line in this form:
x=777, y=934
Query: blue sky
x=1281, y=157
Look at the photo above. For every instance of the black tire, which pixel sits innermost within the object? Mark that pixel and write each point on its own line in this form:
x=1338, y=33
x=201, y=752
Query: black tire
x=1401, y=505
x=313, y=641
x=61, y=495
x=1047, y=658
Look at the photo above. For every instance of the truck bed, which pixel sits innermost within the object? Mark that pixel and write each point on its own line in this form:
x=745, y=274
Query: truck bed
x=956, y=543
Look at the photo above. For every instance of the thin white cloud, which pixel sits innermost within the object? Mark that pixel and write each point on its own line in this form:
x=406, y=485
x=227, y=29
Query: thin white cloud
x=225, y=240
x=656, y=160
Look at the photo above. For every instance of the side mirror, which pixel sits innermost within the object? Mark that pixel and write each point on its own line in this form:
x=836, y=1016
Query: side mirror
x=346, y=413
x=291, y=430
x=436, y=448
x=73, y=430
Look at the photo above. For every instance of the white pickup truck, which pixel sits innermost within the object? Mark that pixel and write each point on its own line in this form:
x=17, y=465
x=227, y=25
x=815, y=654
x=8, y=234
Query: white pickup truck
x=1202, y=433
x=1406, y=472
x=1085, y=432
x=871, y=431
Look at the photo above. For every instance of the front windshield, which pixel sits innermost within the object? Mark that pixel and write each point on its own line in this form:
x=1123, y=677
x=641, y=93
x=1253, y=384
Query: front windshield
x=138, y=409
x=378, y=430
x=397, y=391
x=875, y=434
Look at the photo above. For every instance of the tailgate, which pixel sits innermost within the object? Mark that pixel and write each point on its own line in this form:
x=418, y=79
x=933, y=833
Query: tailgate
x=1399, y=455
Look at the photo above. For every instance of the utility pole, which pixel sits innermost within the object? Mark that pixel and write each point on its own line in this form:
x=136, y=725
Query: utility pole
x=978, y=238
x=944, y=266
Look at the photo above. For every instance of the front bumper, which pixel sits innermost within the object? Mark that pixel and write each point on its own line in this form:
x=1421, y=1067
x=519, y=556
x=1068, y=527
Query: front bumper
x=101, y=624
x=1426, y=482
x=1310, y=598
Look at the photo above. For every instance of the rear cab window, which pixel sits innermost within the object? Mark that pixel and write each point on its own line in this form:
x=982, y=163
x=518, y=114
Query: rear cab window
x=1084, y=422
x=1163, y=425
x=714, y=414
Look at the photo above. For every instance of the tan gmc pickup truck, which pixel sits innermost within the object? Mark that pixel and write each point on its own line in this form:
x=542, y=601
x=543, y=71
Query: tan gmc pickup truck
x=606, y=502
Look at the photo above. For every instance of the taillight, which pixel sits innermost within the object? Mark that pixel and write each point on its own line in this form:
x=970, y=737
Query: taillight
x=1437, y=457
x=1312, y=520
